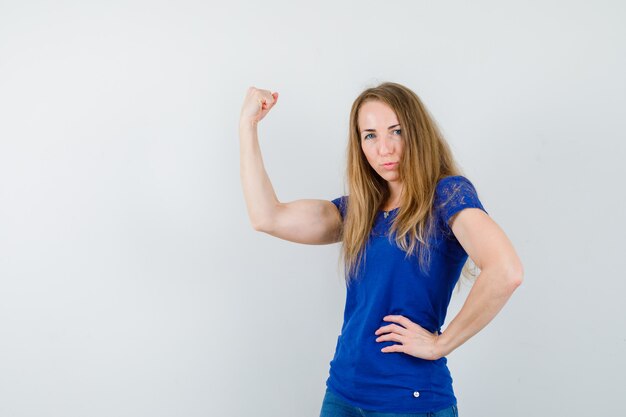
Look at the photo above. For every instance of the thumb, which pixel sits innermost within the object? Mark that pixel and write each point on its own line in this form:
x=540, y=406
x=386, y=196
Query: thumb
x=275, y=99
x=268, y=104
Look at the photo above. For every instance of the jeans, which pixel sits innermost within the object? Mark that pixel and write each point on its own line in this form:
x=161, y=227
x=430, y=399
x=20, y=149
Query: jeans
x=333, y=406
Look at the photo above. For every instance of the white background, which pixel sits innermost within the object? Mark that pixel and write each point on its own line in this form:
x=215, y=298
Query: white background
x=131, y=281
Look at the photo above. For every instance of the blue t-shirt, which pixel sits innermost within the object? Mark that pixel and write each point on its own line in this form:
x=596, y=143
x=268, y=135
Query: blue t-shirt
x=389, y=284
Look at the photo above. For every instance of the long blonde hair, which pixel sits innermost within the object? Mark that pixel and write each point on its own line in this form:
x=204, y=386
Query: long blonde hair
x=426, y=159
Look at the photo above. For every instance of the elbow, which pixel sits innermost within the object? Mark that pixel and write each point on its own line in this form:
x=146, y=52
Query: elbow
x=263, y=221
x=515, y=274
x=260, y=226
x=510, y=274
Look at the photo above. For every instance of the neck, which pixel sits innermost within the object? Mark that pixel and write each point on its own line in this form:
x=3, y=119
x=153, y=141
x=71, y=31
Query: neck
x=395, y=194
x=391, y=204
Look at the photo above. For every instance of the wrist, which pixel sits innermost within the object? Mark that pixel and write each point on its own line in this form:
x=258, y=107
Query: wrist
x=442, y=347
x=248, y=124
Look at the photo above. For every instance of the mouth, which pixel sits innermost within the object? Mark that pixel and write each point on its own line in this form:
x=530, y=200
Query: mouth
x=390, y=166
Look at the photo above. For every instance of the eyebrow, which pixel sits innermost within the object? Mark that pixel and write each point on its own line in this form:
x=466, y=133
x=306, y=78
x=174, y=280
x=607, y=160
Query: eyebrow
x=374, y=130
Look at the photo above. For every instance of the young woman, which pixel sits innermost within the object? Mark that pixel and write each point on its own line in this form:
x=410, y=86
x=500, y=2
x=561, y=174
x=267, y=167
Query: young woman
x=409, y=225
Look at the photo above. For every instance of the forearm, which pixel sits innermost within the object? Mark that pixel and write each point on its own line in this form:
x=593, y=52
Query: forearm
x=490, y=292
x=261, y=200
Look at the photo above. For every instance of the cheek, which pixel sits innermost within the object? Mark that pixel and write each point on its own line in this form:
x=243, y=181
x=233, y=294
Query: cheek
x=370, y=158
x=400, y=148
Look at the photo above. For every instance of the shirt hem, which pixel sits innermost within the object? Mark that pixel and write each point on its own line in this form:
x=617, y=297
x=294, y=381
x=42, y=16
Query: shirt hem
x=386, y=410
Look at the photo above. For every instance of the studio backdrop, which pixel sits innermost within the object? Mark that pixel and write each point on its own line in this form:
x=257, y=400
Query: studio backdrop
x=131, y=280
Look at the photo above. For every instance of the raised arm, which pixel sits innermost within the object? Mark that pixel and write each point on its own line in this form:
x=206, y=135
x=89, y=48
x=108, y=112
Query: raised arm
x=314, y=222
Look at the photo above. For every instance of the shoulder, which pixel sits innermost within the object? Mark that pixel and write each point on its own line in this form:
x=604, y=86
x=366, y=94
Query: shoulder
x=452, y=183
x=453, y=186
x=453, y=194
x=341, y=203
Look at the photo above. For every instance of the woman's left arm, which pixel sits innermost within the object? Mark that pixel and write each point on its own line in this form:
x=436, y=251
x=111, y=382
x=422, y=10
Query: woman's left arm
x=501, y=273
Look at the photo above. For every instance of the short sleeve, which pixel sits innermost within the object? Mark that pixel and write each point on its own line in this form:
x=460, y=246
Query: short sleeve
x=341, y=203
x=454, y=194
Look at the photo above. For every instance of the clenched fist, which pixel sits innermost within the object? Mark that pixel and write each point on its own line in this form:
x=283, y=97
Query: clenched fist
x=257, y=104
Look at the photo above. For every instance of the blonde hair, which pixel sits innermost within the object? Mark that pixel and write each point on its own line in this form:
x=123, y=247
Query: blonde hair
x=426, y=159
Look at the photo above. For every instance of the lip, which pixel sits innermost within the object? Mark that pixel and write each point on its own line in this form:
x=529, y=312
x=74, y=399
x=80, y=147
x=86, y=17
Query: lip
x=390, y=165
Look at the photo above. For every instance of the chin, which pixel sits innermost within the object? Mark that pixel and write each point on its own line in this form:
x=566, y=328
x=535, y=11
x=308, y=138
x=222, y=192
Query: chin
x=390, y=176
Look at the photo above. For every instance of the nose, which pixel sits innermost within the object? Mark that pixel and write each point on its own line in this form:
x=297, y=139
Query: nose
x=385, y=145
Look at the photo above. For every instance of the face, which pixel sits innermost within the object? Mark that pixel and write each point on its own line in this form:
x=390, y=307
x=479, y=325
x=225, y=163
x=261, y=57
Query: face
x=381, y=139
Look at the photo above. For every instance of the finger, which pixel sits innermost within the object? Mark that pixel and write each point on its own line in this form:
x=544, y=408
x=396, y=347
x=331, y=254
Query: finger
x=275, y=95
x=259, y=94
x=266, y=95
x=394, y=337
x=392, y=328
x=271, y=99
x=393, y=348
x=253, y=91
x=399, y=319
x=266, y=99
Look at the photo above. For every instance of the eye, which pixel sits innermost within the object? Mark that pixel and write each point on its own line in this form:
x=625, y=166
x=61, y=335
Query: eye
x=398, y=130
x=365, y=137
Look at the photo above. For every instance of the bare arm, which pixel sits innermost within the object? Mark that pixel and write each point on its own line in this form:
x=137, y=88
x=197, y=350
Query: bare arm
x=501, y=273
x=261, y=200
x=308, y=221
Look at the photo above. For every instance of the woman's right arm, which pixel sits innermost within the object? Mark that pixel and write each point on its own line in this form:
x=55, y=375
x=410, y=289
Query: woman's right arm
x=314, y=222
